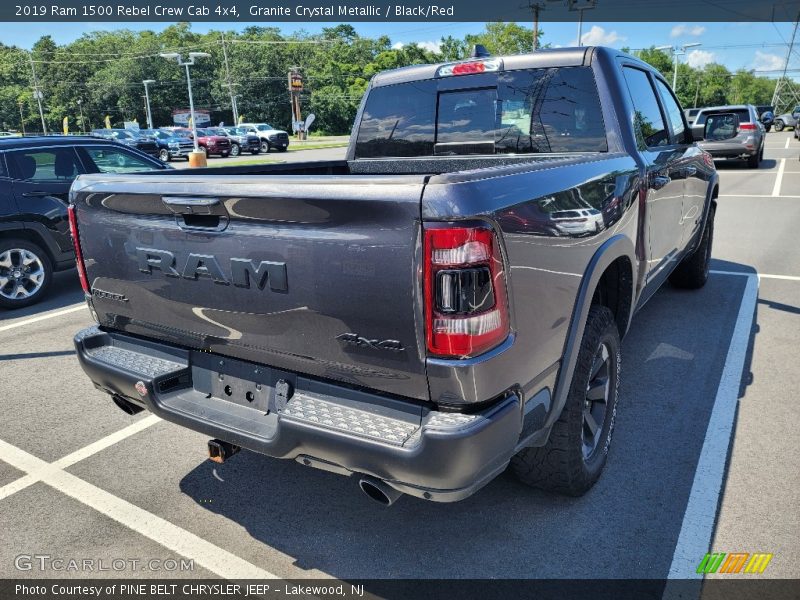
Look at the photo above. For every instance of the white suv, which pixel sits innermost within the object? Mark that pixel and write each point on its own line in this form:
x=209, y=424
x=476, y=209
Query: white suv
x=269, y=136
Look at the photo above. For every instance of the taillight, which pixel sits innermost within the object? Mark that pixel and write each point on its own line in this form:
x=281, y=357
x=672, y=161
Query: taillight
x=76, y=242
x=466, y=307
x=747, y=126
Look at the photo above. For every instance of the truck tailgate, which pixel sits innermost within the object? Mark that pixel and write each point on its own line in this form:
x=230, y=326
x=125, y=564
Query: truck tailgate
x=314, y=274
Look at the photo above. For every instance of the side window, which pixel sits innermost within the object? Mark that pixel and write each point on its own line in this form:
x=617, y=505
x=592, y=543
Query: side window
x=674, y=113
x=116, y=160
x=54, y=164
x=648, y=114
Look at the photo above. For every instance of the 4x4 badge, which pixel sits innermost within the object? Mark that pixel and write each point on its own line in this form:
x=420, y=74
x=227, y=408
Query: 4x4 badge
x=353, y=339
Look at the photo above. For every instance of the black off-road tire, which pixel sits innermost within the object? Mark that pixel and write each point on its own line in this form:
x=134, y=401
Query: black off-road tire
x=692, y=272
x=43, y=263
x=562, y=465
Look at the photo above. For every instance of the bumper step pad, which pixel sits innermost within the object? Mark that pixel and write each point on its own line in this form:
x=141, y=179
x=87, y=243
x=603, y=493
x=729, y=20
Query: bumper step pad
x=148, y=366
x=352, y=420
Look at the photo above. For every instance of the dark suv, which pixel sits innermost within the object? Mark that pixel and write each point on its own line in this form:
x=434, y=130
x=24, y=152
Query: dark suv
x=130, y=137
x=35, y=176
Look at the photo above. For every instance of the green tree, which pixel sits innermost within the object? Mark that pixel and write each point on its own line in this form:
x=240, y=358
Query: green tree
x=503, y=38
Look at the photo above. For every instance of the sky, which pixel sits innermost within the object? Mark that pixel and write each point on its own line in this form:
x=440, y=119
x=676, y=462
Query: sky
x=759, y=46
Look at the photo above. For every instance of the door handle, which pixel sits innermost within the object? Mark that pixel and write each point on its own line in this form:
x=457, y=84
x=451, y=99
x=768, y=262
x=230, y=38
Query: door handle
x=186, y=205
x=659, y=181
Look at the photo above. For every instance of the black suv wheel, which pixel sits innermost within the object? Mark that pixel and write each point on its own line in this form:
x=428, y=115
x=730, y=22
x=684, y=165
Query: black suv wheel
x=575, y=454
x=25, y=273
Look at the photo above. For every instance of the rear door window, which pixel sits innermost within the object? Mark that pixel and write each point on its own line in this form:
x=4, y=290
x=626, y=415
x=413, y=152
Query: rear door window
x=515, y=112
x=52, y=165
x=649, y=120
x=674, y=113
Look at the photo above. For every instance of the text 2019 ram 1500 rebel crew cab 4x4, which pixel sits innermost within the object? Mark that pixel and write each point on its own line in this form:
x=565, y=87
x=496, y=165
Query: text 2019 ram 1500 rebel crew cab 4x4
x=446, y=301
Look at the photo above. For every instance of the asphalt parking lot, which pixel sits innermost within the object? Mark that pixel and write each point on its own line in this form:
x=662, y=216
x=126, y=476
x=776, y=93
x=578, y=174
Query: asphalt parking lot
x=704, y=455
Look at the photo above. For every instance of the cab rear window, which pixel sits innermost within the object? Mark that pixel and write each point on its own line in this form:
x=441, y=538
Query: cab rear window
x=519, y=112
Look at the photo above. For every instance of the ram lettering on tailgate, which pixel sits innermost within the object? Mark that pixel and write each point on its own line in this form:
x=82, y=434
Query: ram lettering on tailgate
x=243, y=271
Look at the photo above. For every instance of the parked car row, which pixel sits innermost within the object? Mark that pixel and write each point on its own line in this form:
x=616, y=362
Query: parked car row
x=168, y=143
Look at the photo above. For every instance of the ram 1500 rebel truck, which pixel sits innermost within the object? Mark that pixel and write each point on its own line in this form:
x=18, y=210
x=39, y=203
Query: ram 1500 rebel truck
x=447, y=300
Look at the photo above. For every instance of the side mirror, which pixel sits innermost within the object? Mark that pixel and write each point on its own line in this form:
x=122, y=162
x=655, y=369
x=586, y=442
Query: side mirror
x=721, y=126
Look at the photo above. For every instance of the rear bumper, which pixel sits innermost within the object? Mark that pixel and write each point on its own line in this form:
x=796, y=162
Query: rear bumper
x=434, y=455
x=735, y=150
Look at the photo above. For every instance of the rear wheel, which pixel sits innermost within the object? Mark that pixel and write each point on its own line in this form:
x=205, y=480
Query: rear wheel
x=25, y=273
x=779, y=125
x=754, y=161
x=575, y=454
x=692, y=272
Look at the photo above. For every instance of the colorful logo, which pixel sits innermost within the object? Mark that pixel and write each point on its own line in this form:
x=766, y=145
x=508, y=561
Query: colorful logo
x=734, y=562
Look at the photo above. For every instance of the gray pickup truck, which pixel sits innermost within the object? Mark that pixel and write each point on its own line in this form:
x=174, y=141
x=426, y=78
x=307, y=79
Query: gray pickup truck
x=446, y=301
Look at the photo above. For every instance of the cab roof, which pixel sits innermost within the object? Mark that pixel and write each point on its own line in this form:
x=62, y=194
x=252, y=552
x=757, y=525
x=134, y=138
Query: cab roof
x=12, y=143
x=541, y=59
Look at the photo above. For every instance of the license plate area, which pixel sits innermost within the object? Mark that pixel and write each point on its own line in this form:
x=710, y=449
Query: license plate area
x=241, y=382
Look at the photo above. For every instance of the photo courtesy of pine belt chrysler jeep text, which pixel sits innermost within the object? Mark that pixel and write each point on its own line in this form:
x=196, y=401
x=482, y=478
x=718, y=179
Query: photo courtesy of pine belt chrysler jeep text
x=445, y=302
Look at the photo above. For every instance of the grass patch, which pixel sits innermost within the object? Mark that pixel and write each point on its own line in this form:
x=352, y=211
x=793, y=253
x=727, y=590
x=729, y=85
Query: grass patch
x=294, y=147
x=236, y=163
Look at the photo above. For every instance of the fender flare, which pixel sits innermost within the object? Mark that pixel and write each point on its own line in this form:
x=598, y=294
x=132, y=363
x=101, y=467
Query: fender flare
x=619, y=246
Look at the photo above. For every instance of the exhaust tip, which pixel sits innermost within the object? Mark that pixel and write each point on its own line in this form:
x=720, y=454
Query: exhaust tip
x=126, y=406
x=378, y=490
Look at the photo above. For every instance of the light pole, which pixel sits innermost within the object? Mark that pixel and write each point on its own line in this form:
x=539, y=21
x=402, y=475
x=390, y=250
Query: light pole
x=21, y=119
x=80, y=108
x=580, y=6
x=188, y=63
x=676, y=52
x=147, y=99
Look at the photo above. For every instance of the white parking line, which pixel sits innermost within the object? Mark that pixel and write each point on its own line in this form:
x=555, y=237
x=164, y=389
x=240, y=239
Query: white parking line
x=754, y=196
x=37, y=468
x=759, y=275
x=787, y=143
x=43, y=317
x=776, y=190
x=701, y=509
x=170, y=536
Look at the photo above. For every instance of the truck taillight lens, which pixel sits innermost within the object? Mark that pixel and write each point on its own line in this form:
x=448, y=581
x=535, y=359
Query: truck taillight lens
x=466, y=307
x=76, y=241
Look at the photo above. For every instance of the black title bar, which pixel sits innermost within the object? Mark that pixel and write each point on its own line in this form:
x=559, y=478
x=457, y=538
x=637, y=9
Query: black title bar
x=347, y=11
